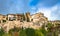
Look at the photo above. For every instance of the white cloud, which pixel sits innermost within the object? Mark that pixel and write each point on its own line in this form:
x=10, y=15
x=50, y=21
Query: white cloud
x=48, y=11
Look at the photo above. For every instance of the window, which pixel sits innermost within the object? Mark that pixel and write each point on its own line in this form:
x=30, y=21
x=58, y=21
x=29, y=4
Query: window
x=4, y=21
x=11, y=18
x=31, y=19
x=21, y=20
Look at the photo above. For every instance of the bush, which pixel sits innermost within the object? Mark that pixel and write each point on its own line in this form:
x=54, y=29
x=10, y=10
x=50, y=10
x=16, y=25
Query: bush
x=38, y=33
x=30, y=32
x=22, y=32
x=1, y=32
x=43, y=31
x=14, y=31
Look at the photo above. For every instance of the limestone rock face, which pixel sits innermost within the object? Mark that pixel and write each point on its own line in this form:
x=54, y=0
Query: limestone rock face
x=11, y=24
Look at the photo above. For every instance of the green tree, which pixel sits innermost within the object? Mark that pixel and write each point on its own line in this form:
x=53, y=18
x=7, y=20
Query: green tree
x=14, y=31
x=1, y=32
x=49, y=26
x=38, y=33
x=43, y=31
x=22, y=32
x=30, y=32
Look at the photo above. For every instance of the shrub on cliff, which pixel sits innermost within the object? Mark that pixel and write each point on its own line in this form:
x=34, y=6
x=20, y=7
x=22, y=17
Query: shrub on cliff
x=1, y=32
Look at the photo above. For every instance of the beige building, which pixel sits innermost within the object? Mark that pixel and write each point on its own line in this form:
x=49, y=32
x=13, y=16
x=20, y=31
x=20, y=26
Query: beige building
x=1, y=16
x=11, y=17
x=55, y=22
x=20, y=17
x=39, y=17
x=28, y=17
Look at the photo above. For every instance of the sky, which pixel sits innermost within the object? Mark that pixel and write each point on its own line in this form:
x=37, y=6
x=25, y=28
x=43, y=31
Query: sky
x=50, y=8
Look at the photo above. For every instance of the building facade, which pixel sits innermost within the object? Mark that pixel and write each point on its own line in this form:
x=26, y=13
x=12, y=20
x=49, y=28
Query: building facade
x=24, y=20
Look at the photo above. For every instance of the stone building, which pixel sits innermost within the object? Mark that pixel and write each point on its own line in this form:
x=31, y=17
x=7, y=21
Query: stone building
x=15, y=17
x=11, y=17
x=24, y=17
x=1, y=16
x=39, y=17
x=28, y=17
x=20, y=17
x=4, y=19
x=55, y=22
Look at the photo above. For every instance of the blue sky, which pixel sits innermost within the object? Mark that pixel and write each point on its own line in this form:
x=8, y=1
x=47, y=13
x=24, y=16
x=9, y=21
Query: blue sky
x=50, y=8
